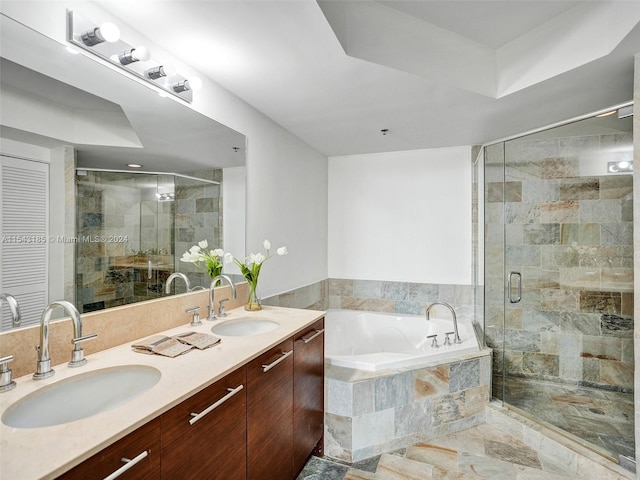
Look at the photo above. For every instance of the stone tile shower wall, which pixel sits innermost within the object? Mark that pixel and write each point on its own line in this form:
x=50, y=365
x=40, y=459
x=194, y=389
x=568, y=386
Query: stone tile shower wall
x=198, y=217
x=571, y=237
x=110, y=207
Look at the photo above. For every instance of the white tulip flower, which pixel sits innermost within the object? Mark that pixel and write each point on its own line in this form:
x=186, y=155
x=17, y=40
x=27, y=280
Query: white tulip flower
x=266, y=244
x=282, y=251
x=218, y=252
x=203, y=243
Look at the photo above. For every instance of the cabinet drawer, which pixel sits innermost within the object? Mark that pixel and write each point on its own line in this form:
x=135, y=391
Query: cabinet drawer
x=225, y=395
x=141, y=447
x=213, y=445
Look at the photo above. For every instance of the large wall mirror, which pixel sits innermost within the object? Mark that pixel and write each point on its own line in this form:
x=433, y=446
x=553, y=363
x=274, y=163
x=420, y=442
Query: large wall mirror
x=76, y=221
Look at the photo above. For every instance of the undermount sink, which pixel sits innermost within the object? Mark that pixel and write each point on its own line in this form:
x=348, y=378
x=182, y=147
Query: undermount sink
x=81, y=396
x=244, y=327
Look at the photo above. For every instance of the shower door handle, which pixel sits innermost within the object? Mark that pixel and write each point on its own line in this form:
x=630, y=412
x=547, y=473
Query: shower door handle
x=519, y=286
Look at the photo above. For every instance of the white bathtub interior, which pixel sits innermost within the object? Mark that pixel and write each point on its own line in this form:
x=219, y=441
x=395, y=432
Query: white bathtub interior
x=377, y=341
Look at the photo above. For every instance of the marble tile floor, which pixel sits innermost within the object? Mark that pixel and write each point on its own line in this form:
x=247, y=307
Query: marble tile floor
x=481, y=452
x=602, y=418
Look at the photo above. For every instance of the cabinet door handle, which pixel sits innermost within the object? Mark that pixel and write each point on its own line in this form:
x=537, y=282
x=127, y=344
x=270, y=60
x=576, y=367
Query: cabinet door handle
x=316, y=334
x=210, y=408
x=519, y=285
x=128, y=463
x=266, y=368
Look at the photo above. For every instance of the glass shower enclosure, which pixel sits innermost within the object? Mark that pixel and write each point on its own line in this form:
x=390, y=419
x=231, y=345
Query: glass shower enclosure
x=132, y=229
x=558, y=278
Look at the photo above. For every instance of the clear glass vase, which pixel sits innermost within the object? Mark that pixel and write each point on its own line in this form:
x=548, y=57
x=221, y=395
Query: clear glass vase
x=253, y=302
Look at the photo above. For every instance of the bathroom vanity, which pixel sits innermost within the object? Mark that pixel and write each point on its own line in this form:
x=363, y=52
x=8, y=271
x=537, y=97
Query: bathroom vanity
x=250, y=407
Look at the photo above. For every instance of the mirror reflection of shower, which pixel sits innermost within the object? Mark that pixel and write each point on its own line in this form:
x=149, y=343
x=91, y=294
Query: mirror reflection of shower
x=132, y=228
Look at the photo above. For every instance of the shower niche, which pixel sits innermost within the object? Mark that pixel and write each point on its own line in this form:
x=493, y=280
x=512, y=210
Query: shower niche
x=132, y=229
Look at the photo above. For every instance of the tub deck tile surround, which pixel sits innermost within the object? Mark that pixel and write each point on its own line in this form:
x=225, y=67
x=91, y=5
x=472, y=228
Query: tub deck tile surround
x=409, y=405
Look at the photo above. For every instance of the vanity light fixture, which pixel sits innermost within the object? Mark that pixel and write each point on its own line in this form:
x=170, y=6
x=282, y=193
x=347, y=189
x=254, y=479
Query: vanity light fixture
x=104, y=42
x=134, y=165
x=106, y=32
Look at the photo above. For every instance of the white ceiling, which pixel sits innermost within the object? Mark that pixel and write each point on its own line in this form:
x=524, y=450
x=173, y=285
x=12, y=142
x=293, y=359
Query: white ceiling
x=434, y=73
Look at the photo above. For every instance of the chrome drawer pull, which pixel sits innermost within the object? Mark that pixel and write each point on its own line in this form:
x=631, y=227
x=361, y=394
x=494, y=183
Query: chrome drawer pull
x=317, y=334
x=198, y=416
x=127, y=465
x=266, y=368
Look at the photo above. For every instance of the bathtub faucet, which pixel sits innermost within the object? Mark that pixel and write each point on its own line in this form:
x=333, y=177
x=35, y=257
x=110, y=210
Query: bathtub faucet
x=456, y=338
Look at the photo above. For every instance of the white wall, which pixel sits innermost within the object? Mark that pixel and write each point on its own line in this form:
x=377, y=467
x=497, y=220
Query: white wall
x=286, y=178
x=401, y=216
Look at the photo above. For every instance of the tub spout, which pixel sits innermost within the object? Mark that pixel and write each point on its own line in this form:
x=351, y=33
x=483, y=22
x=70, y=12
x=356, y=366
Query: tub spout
x=456, y=337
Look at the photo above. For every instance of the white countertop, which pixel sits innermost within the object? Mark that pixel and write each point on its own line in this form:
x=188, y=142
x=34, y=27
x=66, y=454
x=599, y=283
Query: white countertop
x=45, y=453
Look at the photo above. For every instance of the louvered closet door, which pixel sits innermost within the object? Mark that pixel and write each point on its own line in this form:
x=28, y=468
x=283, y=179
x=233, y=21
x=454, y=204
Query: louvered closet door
x=24, y=229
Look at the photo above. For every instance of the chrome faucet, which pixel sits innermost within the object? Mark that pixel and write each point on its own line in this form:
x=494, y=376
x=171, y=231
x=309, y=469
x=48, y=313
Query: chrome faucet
x=43, y=366
x=212, y=308
x=13, y=307
x=172, y=277
x=456, y=338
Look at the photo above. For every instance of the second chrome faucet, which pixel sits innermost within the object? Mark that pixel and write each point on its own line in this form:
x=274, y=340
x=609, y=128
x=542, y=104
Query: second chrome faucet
x=212, y=308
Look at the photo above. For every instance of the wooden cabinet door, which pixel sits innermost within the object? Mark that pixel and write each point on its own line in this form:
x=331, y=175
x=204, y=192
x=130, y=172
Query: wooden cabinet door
x=308, y=394
x=212, y=443
x=141, y=448
x=269, y=414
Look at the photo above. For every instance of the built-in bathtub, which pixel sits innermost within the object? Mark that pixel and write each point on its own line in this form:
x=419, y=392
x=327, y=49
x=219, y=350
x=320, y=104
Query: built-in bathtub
x=380, y=341
x=386, y=387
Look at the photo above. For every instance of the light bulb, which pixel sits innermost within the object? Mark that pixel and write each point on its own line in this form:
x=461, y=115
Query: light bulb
x=169, y=69
x=106, y=32
x=623, y=164
x=110, y=32
x=142, y=53
x=195, y=83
